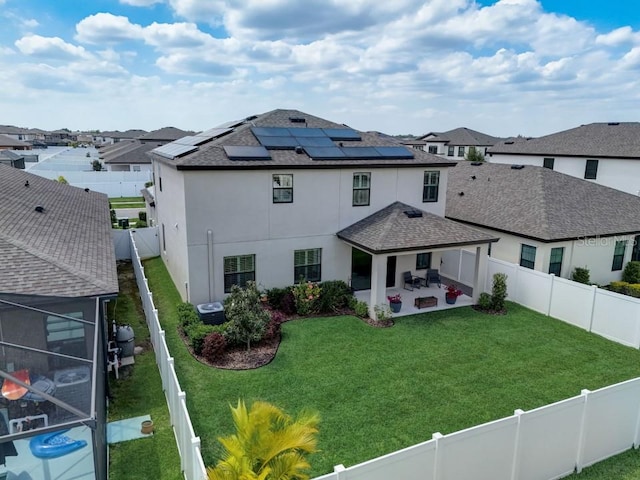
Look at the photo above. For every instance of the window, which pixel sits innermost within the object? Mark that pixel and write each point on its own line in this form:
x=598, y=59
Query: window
x=282, y=188
x=159, y=177
x=555, y=260
x=65, y=336
x=430, y=187
x=136, y=168
x=433, y=149
x=461, y=151
x=239, y=270
x=450, y=151
x=527, y=256
x=361, y=189
x=419, y=147
x=635, y=253
x=423, y=261
x=618, y=255
x=548, y=163
x=306, y=264
x=164, y=239
x=591, y=170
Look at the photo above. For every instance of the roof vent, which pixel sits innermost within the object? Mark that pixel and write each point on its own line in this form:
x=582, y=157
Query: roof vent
x=517, y=167
x=510, y=142
x=461, y=194
x=476, y=164
x=86, y=190
x=26, y=184
x=413, y=213
x=297, y=120
x=39, y=209
x=613, y=123
x=299, y=149
x=252, y=117
x=473, y=177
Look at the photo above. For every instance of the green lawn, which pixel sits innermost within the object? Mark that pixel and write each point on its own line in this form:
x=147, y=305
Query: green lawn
x=379, y=390
x=115, y=200
x=139, y=392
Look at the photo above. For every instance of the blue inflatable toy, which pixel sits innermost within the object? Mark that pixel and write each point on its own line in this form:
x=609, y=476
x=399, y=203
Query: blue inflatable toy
x=54, y=445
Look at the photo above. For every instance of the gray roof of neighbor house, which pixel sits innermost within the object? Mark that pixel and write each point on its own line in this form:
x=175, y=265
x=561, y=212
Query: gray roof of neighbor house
x=6, y=141
x=166, y=134
x=65, y=250
x=463, y=136
x=607, y=140
x=135, y=151
x=206, y=150
x=392, y=230
x=538, y=203
x=127, y=134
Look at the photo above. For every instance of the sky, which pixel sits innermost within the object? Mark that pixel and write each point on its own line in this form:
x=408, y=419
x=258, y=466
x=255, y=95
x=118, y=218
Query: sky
x=507, y=67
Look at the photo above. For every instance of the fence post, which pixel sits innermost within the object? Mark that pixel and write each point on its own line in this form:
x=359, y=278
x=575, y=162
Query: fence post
x=593, y=306
x=516, y=450
x=583, y=430
x=553, y=279
x=340, y=471
x=436, y=458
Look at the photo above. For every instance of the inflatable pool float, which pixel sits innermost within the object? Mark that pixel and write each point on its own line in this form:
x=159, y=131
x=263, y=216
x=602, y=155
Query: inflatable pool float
x=54, y=445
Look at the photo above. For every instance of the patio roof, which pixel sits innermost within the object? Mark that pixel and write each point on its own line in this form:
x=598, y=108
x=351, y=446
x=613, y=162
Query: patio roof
x=394, y=229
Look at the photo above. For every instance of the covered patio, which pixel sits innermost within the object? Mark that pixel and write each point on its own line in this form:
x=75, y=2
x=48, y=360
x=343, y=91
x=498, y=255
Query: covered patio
x=401, y=238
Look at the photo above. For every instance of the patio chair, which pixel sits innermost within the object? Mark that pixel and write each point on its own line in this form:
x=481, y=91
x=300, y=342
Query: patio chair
x=432, y=276
x=411, y=280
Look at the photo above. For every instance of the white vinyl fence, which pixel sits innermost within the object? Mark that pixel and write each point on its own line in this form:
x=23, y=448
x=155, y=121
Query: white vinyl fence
x=146, y=240
x=541, y=444
x=114, y=184
x=188, y=444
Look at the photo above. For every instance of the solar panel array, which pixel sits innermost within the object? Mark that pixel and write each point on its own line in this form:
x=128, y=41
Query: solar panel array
x=246, y=153
x=189, y=144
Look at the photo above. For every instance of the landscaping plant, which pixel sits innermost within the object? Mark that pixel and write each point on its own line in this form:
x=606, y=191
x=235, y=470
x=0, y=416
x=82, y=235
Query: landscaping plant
x=581, y=275
x=246, y=319
x=306, y=295
x=499, y=292
x=631, y=272
x=268, y=444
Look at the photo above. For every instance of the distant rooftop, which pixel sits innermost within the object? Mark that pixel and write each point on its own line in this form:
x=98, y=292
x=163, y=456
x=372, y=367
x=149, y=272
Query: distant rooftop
x=462, y=137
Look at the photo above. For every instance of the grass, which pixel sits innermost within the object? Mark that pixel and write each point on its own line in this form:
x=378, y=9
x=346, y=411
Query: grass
x=139, y=392
x=625, y=466
x=115, y=200
x=379, y=390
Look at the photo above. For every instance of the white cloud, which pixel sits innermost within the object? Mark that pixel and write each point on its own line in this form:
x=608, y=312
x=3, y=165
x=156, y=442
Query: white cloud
x=140, y=3
x=105, y=28
x=53, y=48
x=175, y=35
x=619, y=36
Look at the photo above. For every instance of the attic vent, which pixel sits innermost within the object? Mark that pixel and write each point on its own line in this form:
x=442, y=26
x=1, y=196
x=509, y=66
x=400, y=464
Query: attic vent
x=413, y=213
x=613, y=123
x=299, y=149
x=252, y=117
x=517, y=167
x=297, y=120
x=86, y=190
x=39, y=209
x=476, y=164
x=510, y=142
x=26, y=184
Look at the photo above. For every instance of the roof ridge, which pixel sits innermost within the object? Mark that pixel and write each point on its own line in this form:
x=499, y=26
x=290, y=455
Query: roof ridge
x=51, y=260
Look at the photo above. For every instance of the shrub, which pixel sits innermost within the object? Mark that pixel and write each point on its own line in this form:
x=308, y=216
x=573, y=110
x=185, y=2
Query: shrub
x=383, y=312
x=619, y=287
x=352, y=302
x=275, y=296
x=187, y=314
x=197, y=332
x=484, y=301
x=633, y=290
x=631, y=273
x=247, y=320
x=499, y=291
x=306, y=295
x=148, y=184
x=334, y=295
x=581, y=275
x=214, y=346
x=361, y=309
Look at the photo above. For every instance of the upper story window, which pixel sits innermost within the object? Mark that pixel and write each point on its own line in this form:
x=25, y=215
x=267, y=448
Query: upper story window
x=430, y=186
x=618, y=255
x=433, y=149
x=591, y=169
x=528, y=256
x=450, y=150
x=307, y=265
x=361, y=188
x=239, y=270
x=461, y=151
x=283, y=188
x=548, y=163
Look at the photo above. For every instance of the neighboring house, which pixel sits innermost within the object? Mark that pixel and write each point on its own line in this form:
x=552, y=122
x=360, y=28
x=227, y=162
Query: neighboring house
x=605, y=153
x=57, y=271
x=12, y=159
x=148, y=193
x=454, y=144
x=285, y=195
x=546, y=220
x=108, y=138
x=60, y=138
x=9, y=143
x=131, y=155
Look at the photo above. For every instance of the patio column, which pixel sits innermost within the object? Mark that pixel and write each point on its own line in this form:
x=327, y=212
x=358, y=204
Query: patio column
x=480, y=275
x=378, y=283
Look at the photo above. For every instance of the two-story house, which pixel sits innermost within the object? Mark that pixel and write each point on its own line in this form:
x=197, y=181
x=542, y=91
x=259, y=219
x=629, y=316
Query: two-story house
x=285, y=195
x=454, y=144
x=605, y=153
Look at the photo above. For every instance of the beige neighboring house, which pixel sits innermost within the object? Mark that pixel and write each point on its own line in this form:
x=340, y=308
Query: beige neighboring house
x=9, y=143
x=453, y=144
x=546, y=220
x=603, y=153
x=287, y=194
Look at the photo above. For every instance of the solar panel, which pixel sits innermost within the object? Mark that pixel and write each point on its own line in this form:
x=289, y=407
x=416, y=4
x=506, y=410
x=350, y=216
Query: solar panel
x=325, y=153
x=315, y=141
x=394, y=152
x=231, y=124
x=246, y=153
x=192, y=140
x=307, y=132
x=342, y=134
x=215, y=132
x=173, y=150
x=271, y=131
x=361, y=152
x=284, y=143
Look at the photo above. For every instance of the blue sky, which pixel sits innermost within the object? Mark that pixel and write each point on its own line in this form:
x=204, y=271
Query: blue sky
x=504, y=67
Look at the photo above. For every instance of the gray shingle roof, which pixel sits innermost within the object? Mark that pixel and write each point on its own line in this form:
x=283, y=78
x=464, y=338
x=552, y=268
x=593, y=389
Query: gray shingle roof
x=166, y=134
x=65, y=251
x=464, y=136
x=10, y=142
x=391, y=230
x=127, y=152
x=212, y=155
x=613, y=140
x=539, y=203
